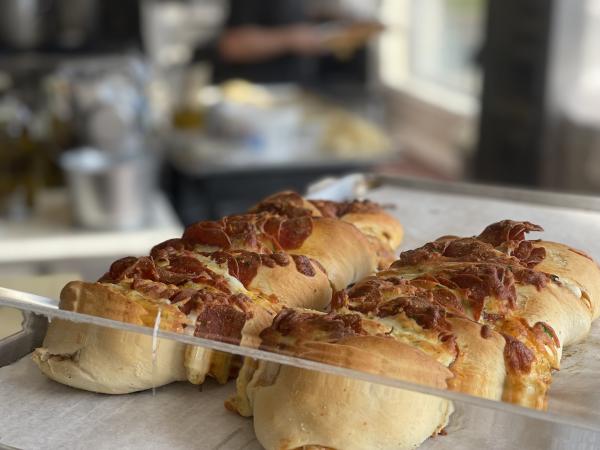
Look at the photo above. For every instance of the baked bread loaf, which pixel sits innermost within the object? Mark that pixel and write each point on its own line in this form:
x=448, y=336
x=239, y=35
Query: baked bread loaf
x=222, y=280
x=488, y=316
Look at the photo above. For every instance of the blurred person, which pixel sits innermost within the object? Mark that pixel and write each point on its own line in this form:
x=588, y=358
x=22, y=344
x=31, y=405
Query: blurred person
x=270, y=41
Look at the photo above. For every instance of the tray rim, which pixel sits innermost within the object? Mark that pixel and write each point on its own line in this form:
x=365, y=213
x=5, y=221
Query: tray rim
x=361, y=183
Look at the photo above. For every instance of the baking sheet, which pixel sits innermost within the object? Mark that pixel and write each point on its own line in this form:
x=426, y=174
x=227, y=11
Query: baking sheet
x=428, y=215
x=38, y=413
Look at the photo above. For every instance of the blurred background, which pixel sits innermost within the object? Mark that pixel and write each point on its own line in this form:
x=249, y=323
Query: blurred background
x=121, y=121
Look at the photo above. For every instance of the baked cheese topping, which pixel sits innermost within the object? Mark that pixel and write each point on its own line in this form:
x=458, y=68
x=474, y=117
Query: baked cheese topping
x=478, y=279
x=573, y=287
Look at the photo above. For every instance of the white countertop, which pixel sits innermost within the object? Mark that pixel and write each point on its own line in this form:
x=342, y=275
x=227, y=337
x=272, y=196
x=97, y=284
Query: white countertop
x=50, y=235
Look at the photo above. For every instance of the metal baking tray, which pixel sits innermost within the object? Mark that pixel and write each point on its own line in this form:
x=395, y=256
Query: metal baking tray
x=427, y=210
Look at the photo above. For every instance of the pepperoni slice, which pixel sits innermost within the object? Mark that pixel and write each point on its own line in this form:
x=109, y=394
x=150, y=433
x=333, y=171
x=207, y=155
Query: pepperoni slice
x=182, y=268
x=304, y=265
x=247, y=265
x=529, y=255
x=286, y=204
x=166, y=248
x=340, y=209
x=507, y=230
x=299, y=324
x=517, y=356
x=131, y=267
x=293, y=232
x=207, y=233
x=420, y=308
x=221, y=322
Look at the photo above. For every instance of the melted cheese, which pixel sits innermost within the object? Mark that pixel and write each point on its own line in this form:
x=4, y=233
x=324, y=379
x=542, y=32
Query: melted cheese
x=557, y=257
x=155, y=348
x=571, y=286
x=192, y=318
x=409, y=332
x=234, y=284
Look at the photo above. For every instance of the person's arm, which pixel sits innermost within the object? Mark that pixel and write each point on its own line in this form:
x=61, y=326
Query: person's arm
x=248, y=44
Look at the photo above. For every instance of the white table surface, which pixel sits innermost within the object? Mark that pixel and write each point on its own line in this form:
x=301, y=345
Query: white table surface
x=49, y=233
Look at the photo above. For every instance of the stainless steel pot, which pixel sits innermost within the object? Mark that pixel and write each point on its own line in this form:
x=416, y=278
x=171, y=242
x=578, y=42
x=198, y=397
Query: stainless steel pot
x=108, y=191
x=31, y=24
x=24, y=23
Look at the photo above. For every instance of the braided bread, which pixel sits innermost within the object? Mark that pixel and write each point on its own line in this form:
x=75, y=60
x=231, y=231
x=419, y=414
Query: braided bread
x=222, y=280
x=488, y=316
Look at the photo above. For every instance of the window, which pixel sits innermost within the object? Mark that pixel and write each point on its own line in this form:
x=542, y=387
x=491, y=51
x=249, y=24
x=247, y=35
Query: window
x=430, y=50
x=590, y=69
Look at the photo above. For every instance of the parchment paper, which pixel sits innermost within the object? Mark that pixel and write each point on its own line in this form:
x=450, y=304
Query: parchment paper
x=428, y=215
x=37, y=413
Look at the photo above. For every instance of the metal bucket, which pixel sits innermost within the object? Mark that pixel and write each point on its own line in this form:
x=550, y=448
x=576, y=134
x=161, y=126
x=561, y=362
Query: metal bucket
x=108, y=191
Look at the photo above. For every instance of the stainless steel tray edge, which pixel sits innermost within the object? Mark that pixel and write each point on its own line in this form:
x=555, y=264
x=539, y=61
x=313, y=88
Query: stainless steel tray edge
x=359, y=184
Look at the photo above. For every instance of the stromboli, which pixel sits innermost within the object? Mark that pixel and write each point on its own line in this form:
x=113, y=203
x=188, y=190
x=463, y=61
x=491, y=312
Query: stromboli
x=384, y=233
x=495, y=310
x=223, y=280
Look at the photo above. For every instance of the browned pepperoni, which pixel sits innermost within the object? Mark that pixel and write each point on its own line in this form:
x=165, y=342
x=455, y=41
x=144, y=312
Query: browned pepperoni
x=131, y=267
x=267, y=260
x=480, y=281
x=299, y=324
x=294, y=232
x=166, y=248
x=281, y=259
x=247, y=265
x=221, y=322
x=207, y=233
x=286, y=204
x=517, y=356
x=420, y=308
x=153, y=289
x=304, y=265
x=486, y=332
x=507, y=230
x=340, y=209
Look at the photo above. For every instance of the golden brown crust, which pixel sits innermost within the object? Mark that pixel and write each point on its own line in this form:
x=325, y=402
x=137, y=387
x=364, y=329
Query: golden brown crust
x=573, y=265
x=200, y=362
x=298, y=407
x=106, y=300
x=343, y=251
x=479, y=368
x=505, y=306
x=292, y=287
x=88, y=356
x=379, y=356
x=559, y=307
x=195, y=287
x=380, y=225
x=299, y=410
x=287, y=203
x=384, y=231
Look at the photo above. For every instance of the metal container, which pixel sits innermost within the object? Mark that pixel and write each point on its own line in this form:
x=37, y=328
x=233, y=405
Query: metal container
x=24, y=24
x=109, y=191
x=33, y=24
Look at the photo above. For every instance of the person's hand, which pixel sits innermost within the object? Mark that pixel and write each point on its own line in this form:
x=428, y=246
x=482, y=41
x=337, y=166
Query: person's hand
x=304, y=39
x=346, y=40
